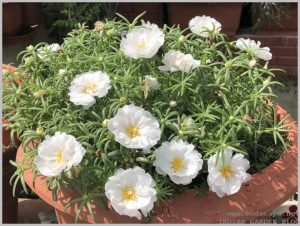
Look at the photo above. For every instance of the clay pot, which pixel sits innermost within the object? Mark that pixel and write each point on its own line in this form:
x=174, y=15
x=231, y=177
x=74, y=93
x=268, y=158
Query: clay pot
x=228, y=14
x=287, y=25
x=12, y=18
x=10, y=203
x=255, y=200
x=31, y=14
x=154, y=13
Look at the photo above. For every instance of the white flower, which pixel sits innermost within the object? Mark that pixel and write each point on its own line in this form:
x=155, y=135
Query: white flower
x=150, y=83
x=85, y=87
x=252, y=46
x=226, y=176
x=131, y=190
x=252, y=63
x=133, y=127
x=179, y=160
x=203, y=25
x=142, y=42
x=58, y=153
x=43, y=52
x=176, y=60
x=62, y=72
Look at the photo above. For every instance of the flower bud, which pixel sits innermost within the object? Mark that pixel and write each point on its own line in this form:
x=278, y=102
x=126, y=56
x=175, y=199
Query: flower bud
x=69, y=60
x=208, y=61
x=123, y=99
x=39, y=93
x=252, y=63
x=19, y=91
x=99, y=25
x=77, y=171
x=172, y=103
x=228, y=63
x=62, y=72
x=266, y=65
x=131, y=26
x=104, y=123
x=231, y=118
x=188, y=121
x=5, y=72
x=30, y=48
x=39, y=130
x=28, y=60
x=110, y=32
x=181, y=39
x=100, y=59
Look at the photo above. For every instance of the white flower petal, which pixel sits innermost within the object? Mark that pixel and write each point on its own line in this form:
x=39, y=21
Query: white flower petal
x=142, y=42
x=227, y=176
x=133, y=127
x=58, y=153
x=251, y=45
x=203, y=25
x=85, y=87
x=131, y=190
x=179, y=160
x=178, y=61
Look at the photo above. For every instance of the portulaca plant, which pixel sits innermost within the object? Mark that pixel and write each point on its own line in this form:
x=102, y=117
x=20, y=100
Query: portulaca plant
x=131, y=113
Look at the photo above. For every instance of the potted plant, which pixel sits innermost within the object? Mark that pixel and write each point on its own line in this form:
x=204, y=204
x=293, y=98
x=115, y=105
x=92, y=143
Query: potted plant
x=227, y=13
x=128, y=123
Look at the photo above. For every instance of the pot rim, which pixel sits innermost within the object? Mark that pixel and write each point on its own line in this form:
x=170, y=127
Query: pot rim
x=266, y=190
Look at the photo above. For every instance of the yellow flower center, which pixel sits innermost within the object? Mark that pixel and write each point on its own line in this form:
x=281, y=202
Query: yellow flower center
x=177, y=164
x=58, y=157
x=89, y=88
x=128, y=194
x=226, y=171
x=142, y=45
x=133, y=131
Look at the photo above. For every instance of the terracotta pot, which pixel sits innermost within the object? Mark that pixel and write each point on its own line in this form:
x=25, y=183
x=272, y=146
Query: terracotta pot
x=228, y=14
x=31, y=14
x=256, y=199
x=287, y=25
x=10, y=203
x=154, y=13
x=12, y=18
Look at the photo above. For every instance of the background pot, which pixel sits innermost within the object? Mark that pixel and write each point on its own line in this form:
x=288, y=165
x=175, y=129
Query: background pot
x=12, y=18
x=265, y=191
x=155, y=11
x=31, y=14
x=287, y=25
x=228, y=14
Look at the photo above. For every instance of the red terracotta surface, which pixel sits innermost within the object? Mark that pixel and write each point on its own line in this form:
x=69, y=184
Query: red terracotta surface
x=286, y=24
x=228, y=14
x=10, y=203
x=255, y=200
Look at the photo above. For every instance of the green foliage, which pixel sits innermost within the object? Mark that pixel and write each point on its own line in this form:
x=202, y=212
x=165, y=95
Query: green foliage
x=61, y=18
x=269, y=12
x=225, y=98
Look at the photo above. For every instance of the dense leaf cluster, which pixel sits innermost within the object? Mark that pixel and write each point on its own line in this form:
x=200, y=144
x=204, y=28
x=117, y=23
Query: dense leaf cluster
x=226, y=102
